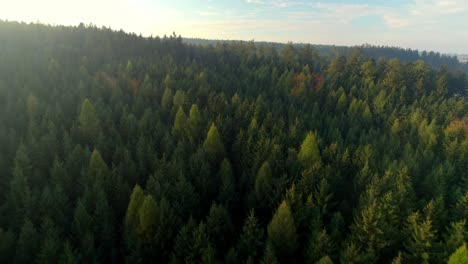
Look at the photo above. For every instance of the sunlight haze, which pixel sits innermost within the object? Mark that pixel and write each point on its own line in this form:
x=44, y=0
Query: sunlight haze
x=425, y=25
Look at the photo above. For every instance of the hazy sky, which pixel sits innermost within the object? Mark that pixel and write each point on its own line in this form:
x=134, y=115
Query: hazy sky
x=440, y=25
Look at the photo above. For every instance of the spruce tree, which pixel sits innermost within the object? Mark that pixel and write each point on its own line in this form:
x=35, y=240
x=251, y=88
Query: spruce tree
x=309, y=152
x=282, y=232
x=213, y=145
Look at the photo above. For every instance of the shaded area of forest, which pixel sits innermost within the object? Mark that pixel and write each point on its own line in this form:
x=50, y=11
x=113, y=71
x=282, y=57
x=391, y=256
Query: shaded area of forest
x=119, y=148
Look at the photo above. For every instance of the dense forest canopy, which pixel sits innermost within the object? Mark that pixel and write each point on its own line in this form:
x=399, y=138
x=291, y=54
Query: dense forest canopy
x=434, y=59
x=120, y=148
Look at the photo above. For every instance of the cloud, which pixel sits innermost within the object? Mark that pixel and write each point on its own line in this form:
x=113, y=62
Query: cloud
x=254, y=1
x=208, y=13
x=395, y=22
x=275, y=3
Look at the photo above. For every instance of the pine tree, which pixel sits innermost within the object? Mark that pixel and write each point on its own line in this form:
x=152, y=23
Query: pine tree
x=227, y=187
x=460, y=256
x=200, y=242
x=325, y=260
x=264, y=189
x=82, y=221
x=20, y=194
x=219, y=226
x=213, y=145
x=69, y=255
x=180, y=99
x=208, y=256
x=148, y=216
x=282, y=232
x=166, y=101
x=89, y=123
x=420, y=238
x=136, y=200
x=28, y=243
x=269, y=257
x=180, y=128
x=320, y=246
x=251, y=239
x=455, y=237
x=309, y=152
x=195, y=122
x=7, y=246
x=97, y=166
x=51, y=245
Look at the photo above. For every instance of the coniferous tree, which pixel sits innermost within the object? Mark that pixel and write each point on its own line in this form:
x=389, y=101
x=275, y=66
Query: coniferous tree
x=309, y=152
x=28, y=243
x=213, y=144
x=459, y=256
x=250, y=241
x=89, y=123
x=282, y=232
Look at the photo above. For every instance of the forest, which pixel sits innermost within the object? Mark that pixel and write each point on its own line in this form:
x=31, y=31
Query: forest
x=434, y=59
x=118, y=148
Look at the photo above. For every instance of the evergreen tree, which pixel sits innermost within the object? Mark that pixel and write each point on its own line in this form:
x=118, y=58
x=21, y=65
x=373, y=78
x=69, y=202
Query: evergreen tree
x=264, y=189
x=20, y=194
x=459, y=256
x=194, y=121
x=251, y=239
x=309, y=152
x=227, y=187
x=89, y=122
x=148, y=216
x=136, y=200
x=28, y=243
x=97, y=167
x=420, y=238
x=213, y=145
x=219, y=226
x=180, y=127
x=7, y=246
x=282, y=232
x=166, y=101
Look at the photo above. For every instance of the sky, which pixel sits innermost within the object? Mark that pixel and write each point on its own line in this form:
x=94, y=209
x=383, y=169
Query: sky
x=439, y=25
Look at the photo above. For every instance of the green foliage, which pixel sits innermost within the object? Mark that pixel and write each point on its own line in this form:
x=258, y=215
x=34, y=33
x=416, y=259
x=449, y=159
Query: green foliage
x=180, y=123
x=264, y=188
x=420, y=239
x=382, y=178
x=7, y=246
x=269, y=256
x=20, y=194
x=136, y=200
x=228, y=185
x=325, y=260
x=89, y=123
x=213, y=144
x=309, y=152
x=28, y=243
x=218, y=223
x=320, y=246
x=282, y=232
x=459, y=256
x=148, y=216
x=195, y=122
x=97, y=167
x=166, y=101
x=250, y=241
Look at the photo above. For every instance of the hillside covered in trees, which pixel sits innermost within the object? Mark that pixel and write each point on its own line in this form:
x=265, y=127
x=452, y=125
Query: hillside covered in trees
x=121, y=149
x=434, y=59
